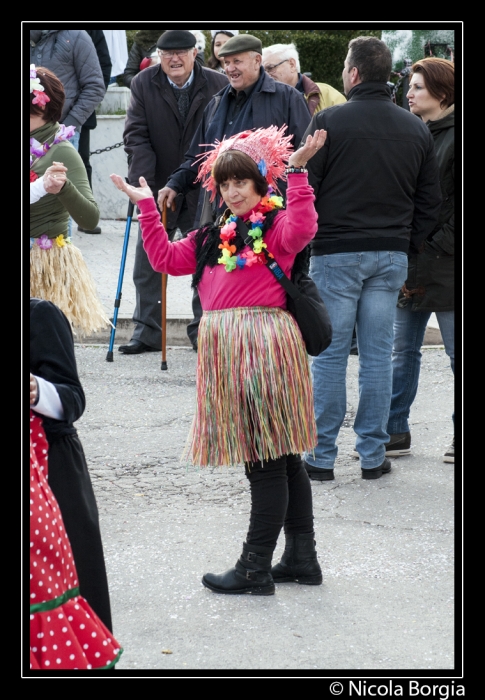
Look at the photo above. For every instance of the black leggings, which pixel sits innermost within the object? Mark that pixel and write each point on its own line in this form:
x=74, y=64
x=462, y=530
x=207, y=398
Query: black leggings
x=281, y=496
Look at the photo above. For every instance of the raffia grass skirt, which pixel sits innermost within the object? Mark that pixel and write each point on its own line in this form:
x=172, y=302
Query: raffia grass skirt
x=254, y=390
x=60, y=275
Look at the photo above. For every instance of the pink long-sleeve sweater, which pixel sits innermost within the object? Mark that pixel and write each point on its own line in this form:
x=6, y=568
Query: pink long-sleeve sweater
x=293, y=228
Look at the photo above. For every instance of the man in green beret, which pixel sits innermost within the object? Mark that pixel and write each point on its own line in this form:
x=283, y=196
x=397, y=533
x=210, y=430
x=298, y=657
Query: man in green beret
x=250, y=101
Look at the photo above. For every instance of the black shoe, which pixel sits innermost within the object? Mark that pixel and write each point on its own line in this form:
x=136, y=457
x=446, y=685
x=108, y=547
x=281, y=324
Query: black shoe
x=377, y=472
x=195, y=346
x=398, y=445
x=85, y=230
x=252, y=574
x=299, y=561
x=317, y=473
x=449, y=456
x=135, y=347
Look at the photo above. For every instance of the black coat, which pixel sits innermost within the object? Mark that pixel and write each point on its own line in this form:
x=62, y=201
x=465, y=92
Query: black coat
x=52, y=358
x=431, y=276
x=376, y=178
x=270, y=103
x=99, y=41
x=155, y=137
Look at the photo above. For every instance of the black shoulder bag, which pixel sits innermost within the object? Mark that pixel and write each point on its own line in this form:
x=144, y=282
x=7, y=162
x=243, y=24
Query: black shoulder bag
x=302, y=299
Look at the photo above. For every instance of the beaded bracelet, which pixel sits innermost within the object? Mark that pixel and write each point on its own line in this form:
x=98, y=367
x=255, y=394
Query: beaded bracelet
x=292, y=169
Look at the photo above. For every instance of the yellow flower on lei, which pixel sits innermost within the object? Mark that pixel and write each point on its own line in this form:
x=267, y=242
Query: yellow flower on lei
x=61, y=241
x=258, y=245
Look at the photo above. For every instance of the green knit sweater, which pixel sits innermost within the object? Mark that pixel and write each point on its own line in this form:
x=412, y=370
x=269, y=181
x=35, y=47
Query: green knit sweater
x=50, y=214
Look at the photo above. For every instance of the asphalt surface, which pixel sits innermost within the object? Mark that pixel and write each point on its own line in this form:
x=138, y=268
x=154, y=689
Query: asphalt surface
x=386, y=547
x=387, y=604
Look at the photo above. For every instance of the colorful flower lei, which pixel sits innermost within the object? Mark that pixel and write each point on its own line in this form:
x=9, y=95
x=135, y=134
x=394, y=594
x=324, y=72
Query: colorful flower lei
x=37, y=149
x=228, y=232
x=45, y=243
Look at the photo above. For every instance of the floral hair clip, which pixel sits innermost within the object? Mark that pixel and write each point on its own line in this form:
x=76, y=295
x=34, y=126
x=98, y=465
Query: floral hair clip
x=35, y=86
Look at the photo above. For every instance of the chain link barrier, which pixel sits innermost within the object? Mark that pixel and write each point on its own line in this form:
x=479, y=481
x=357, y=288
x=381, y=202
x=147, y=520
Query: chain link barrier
x=108, y=148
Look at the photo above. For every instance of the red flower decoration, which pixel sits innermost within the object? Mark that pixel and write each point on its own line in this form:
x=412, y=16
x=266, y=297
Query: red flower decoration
x=40, y=98
x=33, y=176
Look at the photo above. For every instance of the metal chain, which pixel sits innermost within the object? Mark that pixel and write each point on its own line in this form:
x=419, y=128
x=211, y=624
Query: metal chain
x=108, y=148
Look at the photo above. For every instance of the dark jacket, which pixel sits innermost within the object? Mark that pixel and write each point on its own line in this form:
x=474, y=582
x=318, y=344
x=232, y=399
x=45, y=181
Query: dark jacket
x=155, y=137
x=52, y=358
x=101, y=46
x=376, y=178
x=431, y=275
x=70, y=54
x=135, y=57
x=271, y=102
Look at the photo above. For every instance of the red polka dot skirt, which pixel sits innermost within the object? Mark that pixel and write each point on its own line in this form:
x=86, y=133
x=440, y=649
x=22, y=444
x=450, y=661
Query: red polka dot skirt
x=65, y=633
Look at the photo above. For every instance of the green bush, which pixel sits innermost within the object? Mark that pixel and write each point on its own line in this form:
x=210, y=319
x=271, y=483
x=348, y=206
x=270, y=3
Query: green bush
x=322, y=52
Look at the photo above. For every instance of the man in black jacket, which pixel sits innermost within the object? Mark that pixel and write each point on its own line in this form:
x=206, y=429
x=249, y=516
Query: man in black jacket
x=377, y=196
x=252, y=100
x=167, y=104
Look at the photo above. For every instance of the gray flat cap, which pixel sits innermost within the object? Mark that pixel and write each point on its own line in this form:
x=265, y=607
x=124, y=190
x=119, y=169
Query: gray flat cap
x=176, y=39
x=241, y=43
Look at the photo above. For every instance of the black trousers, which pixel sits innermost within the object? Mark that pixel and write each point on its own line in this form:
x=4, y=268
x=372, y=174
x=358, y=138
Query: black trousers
x=281, y=497
x=84, y=146
x=70, y=482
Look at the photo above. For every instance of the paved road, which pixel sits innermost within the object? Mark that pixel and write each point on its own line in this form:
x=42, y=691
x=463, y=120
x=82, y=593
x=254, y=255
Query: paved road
x=386, y=547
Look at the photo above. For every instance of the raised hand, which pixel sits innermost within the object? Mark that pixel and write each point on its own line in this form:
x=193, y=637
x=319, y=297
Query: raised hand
x=134, y=193
x=313, y=143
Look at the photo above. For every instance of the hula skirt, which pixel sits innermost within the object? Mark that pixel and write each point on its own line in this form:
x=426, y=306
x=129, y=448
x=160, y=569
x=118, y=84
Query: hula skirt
x=254, y=391
x=59, y=274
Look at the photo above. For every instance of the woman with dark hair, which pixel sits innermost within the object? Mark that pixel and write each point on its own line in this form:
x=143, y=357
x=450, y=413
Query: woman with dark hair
x=254, y=393
x=58, y=272
x=430, y=285
x=219, y=38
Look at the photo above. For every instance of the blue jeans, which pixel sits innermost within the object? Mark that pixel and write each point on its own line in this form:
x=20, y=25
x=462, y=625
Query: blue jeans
x=358, y=289
x=75, y=142
x=409, y=329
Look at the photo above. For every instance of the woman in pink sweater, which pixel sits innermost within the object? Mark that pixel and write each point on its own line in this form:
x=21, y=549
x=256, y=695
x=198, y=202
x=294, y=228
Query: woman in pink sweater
x=254, y=392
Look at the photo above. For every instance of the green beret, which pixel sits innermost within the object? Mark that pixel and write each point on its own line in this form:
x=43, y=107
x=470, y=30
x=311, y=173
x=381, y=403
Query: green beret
x=241, y=43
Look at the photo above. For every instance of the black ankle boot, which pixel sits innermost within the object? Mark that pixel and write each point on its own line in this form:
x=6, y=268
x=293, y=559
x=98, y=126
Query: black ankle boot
x=299, y=561
x=252, y=574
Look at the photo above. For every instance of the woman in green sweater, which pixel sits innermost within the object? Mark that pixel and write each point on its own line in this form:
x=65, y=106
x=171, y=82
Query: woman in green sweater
x=58, y=272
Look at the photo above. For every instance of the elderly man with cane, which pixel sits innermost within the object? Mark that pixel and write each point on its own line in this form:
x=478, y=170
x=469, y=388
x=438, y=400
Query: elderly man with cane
x=167, y=104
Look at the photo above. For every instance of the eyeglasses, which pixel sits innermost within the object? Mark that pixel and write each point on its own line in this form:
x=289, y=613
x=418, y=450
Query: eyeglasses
x=270, y=69
x=171, y=54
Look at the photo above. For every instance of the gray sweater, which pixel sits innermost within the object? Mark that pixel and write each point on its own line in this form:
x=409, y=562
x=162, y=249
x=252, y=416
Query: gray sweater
x=71, y=55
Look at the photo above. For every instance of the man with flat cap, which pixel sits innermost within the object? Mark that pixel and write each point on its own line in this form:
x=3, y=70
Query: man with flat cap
x=167, y=104
x=251, y=100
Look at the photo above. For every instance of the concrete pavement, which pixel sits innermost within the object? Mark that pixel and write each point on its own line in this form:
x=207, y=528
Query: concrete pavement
x=386, y=547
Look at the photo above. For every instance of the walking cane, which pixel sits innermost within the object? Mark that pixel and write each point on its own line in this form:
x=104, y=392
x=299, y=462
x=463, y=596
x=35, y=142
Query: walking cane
x=164, y=299
x=129, y=216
